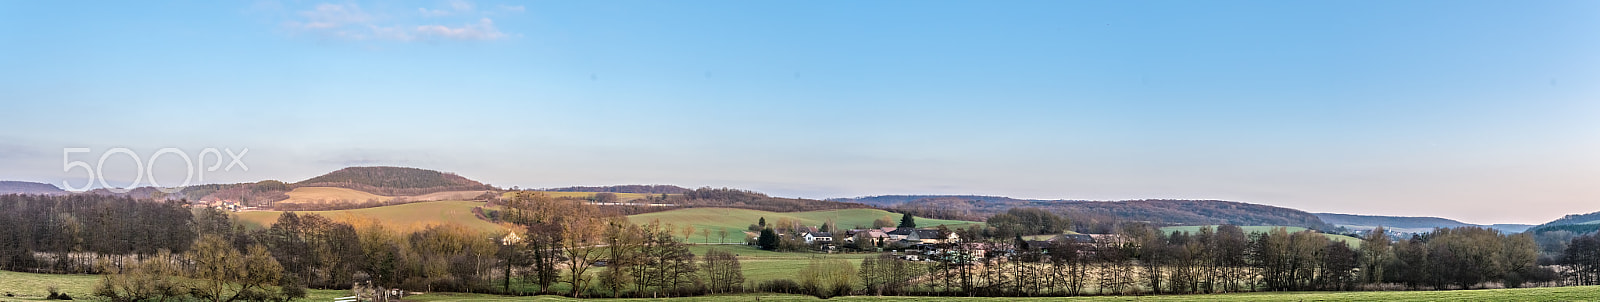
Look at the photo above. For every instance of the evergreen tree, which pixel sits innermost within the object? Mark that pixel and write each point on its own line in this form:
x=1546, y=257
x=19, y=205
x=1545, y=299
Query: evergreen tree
x=768, y=239
x=906, y=221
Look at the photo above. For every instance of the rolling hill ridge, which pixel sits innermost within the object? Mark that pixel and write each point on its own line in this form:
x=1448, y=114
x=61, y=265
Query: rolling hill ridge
x=23, y=187
x=1407, y=224
x=394, y=181
x=1160, y=211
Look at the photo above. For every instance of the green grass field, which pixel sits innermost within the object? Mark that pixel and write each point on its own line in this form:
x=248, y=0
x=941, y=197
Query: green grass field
x=31, y=287
x=762, y=265
x=405, y=216
x=1193, y=229
x=737, y=221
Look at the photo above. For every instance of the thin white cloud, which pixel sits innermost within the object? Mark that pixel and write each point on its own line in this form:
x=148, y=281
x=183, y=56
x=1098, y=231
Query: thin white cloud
x=461, y=5
x=483, y=30
x=326, y=16
x=350, y=22
x=433, y=12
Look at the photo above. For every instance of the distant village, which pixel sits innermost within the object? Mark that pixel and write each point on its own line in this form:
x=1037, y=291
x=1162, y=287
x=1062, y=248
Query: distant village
x=910, y=243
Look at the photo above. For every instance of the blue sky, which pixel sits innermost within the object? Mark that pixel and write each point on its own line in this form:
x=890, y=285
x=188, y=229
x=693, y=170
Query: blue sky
x=1484, y=111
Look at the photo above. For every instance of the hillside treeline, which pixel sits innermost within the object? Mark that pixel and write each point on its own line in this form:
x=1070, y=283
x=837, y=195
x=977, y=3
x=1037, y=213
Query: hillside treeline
x=707, y=197
x=1582, y=258
x=641, y=189
x=394, y=181
x=1161, y=211
x=743, y=199
x=260, y=193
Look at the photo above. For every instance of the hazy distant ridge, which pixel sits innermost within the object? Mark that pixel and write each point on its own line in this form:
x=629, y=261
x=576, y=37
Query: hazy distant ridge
x=23, y=187
x=1408, y=223
x=1162, y=211
x=641, y=189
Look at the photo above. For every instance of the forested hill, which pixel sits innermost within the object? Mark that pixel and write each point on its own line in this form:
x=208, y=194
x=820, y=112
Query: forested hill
x=23, y=187
x=394, y=181
x=1158, y=211
x=642, y=189
x=1391, y=221
x=744, y=199
x=1191, y=212
x=1576, y=223
x=1407, y=224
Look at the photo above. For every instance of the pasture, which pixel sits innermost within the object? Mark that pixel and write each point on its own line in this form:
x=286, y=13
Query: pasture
x=316, y=195
x=409, y=216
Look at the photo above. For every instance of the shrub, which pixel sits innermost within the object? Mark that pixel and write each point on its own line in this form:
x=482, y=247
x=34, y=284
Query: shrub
x=782, y=286
x=56, y=294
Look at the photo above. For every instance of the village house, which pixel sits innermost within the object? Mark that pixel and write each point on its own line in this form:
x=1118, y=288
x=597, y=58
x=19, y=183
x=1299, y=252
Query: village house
x=900, y=233
x=874, y=235
x=930, y=236
x=818, y=237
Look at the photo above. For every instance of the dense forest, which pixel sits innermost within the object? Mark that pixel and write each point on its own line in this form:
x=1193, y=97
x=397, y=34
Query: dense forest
x=1576, y=223
x=72, y=232
x=394, y=181
x=259, y=193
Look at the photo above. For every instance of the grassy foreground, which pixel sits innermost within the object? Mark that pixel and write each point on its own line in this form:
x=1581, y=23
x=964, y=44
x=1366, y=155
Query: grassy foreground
x=31, y=287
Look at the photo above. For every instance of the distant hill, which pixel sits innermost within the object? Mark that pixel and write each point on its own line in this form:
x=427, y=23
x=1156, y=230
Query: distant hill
x=1406, y=224
x=1393, y=223
x=640, y=189
x=1576, y=223
x=394, y=181
x=745, y=199
x=255, y=193
x=1511, y=227
x=23, y=187
x=1159, y=211
x=893, y=200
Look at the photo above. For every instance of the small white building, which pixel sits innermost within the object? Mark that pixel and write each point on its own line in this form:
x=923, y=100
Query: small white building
x=815, y=237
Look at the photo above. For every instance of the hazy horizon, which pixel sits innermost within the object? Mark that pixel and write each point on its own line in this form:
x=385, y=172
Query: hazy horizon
x=1483, y=112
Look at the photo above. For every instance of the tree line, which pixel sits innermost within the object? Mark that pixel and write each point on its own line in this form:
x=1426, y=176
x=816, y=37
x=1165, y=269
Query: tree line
x=75, y=231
